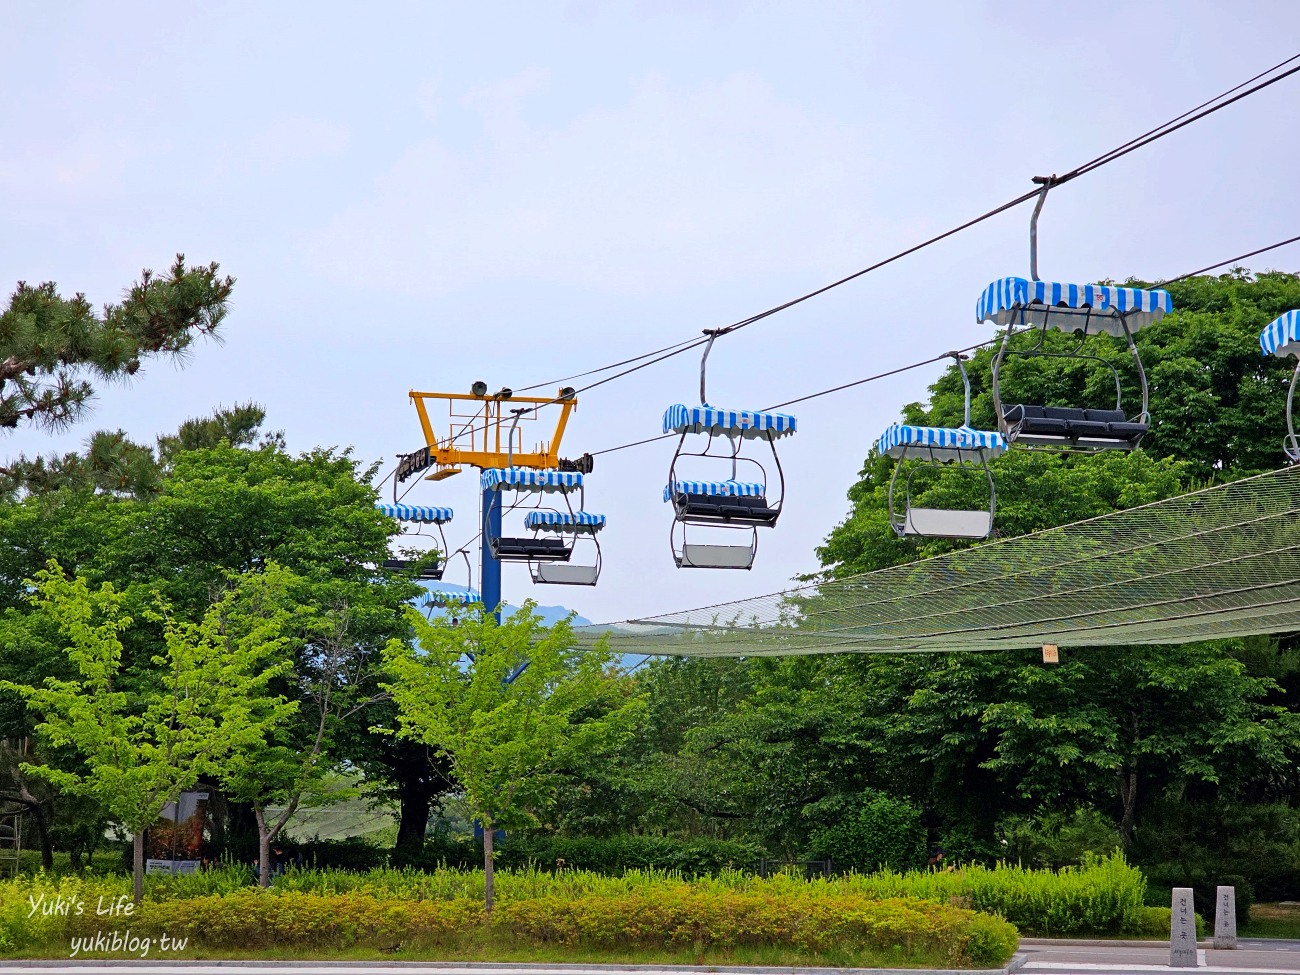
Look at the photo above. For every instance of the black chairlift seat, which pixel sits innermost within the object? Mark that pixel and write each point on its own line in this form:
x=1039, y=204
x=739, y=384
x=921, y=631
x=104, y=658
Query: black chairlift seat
x=432, y=571
x=710, y=508
x=1068, y=426
x=531, y=549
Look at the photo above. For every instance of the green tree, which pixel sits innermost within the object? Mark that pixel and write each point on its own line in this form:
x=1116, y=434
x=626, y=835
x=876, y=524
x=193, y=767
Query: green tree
x=875, y=832
x=51, y=346
x=113, y=464
x=208, y=696
x=508, y=704
x=229, y=507
x=976, y=737
x=291, y=765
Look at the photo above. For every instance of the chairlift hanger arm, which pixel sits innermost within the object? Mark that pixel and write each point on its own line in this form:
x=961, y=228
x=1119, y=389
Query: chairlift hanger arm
x=1047, y=182
x=484, y=448
x=712, y=333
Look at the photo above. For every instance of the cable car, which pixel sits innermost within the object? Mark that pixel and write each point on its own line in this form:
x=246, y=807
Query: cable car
x=918, y=450
x=1282, y=338
x=556, y=531
x=427, y=520
x=1089, y=311
x=734, y=506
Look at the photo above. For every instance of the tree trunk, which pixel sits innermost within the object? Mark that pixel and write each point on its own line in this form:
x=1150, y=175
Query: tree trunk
x=42, y=835
x=489, y=879
x=416, y=797
x=1128, y=795
x=263, y=849
x=137, y=869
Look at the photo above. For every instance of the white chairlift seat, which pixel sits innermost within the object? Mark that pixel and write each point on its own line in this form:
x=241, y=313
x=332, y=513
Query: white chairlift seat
x=700, y=556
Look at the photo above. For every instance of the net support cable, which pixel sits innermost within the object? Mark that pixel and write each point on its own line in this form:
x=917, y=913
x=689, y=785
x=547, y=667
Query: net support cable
x=1216, y=563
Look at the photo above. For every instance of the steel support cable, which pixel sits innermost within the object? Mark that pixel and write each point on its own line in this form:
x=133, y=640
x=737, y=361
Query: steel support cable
x=1146, y=138
x=612, y=365
x=940, y=358
x=824, y=392
x=1152, y=135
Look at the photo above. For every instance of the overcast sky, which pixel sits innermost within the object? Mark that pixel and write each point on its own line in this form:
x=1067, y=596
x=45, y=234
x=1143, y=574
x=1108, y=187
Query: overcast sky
x=418, y=195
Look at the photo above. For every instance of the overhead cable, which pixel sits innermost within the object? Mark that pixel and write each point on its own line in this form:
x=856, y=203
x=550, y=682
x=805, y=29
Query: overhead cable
x=946, y=355
x=1203, y=110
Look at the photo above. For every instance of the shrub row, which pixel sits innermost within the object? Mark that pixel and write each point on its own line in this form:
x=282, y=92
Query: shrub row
x=1102, y=896
x=685, y=917
x=617, y=854
x=673, y=918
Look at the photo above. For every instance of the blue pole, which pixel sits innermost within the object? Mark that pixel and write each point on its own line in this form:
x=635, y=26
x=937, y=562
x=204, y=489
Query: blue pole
x=490, y=584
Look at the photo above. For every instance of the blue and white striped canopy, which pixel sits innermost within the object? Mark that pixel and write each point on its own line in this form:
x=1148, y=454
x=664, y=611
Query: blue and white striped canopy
x=529, y=479
x=1282, y=337
x=729, y=423
x=941, y=443
x=416, y=512
x=1066, y=306
x=564, y=521
x=717, y=489
x=439, y=597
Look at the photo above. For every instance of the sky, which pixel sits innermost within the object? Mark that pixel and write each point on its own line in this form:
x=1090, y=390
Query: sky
x=421, y=195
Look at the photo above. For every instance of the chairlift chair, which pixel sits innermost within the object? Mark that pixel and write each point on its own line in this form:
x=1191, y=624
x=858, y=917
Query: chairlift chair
x=732, y=504
x=1086, y=310
x=917, y=448
x=1089, y=310
x=556, y=532
x=427, y=521
x=452, y=599
x=579, y=528
x=1282, y=338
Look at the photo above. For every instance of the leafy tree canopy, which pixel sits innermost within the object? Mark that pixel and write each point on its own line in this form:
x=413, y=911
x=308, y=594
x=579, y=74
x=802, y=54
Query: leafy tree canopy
x=51, y=347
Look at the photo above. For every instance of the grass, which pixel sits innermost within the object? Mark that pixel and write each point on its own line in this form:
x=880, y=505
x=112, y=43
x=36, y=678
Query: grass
x=1272, y=921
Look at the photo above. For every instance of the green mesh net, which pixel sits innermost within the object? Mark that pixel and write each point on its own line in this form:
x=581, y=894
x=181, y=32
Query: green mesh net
x=1221, y=562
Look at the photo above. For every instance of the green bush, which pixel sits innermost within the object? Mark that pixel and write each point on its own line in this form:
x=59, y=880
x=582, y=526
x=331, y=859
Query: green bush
x=1155, y=922
x=883, y=833
x=1102, y=896
x=1202, y=845
x=617, y=854
x=1165, y=876
x=353, y=853
x=1150, y=922
x=1059, y=839
x=809, y=921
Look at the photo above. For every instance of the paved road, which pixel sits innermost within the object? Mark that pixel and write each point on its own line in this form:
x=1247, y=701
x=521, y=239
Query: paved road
x=1253, y=957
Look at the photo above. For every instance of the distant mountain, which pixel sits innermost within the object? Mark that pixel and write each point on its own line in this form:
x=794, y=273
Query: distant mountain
x=549, y=614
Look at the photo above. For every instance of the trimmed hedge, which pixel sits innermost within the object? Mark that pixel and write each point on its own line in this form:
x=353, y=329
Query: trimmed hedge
x=817, y=924
x=671, y=917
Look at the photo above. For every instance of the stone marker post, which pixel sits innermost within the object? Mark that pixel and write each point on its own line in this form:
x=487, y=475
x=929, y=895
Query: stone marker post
x=1182, y=930
x=1225, y=917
